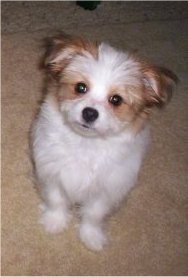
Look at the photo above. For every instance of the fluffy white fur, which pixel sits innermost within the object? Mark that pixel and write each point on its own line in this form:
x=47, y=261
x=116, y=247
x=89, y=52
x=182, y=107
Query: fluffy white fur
x=90, y=164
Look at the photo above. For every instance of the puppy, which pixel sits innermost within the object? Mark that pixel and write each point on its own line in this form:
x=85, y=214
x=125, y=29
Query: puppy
x=91, y=133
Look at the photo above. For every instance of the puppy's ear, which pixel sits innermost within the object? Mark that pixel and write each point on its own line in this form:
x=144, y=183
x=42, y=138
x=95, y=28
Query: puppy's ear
x=159, y=84
x=60, y=49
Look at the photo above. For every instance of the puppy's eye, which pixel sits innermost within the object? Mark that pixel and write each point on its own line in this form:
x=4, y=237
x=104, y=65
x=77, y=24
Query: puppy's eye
x=81, y=88
x=115, y=100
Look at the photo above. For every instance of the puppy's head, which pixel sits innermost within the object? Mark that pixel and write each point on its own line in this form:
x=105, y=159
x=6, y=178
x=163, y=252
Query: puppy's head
x=101, y=90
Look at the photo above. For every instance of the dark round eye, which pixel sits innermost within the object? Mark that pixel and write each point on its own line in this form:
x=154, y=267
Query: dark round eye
x=81, y=88
x=115, y=100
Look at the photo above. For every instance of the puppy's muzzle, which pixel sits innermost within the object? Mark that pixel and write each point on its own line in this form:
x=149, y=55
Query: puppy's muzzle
x=89, y=114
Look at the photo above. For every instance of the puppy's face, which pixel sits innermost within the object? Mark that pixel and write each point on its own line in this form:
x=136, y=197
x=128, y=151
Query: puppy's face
x=102, y=91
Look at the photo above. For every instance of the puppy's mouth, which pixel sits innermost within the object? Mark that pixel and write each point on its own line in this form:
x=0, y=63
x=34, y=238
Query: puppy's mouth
x=84, y=129
x=85, y=126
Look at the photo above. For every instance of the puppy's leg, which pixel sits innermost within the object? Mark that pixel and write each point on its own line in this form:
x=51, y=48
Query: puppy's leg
x=54, y=210
x=90, y=231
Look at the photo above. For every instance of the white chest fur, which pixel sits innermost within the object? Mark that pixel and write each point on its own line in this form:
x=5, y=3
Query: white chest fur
x=84, y=166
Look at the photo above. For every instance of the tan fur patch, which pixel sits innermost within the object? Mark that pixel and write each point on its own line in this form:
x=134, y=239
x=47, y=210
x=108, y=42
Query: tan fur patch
x=67, y=85
x=159, y=84
x=62, y=48
x=132, y=102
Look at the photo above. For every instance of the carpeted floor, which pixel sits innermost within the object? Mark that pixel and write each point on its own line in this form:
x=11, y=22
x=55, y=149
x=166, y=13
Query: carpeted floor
x=149, y=234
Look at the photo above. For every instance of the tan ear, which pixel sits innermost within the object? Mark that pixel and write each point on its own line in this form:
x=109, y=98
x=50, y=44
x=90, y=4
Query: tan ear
x=159, y=83
x=60, y=49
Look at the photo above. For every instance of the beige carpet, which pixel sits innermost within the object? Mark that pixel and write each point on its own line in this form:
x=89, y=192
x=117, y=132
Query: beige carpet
x=149, y=234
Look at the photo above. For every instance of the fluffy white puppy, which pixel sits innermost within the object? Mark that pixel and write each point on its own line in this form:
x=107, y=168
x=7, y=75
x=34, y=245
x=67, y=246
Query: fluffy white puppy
x=91, y=133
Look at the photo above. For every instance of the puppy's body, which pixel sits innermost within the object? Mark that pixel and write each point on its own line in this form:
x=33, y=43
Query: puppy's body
x=91, y=133
x=86, y=165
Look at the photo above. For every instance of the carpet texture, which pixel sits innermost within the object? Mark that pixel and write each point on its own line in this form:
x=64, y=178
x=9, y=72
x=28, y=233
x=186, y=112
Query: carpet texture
x=149, y=234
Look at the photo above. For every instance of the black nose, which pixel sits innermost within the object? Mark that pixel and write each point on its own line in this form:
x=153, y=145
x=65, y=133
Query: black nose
x=90, y=114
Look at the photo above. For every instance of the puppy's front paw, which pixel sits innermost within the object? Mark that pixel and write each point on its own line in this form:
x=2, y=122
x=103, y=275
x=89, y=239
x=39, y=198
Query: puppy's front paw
x=92, y=236
x=54, y=221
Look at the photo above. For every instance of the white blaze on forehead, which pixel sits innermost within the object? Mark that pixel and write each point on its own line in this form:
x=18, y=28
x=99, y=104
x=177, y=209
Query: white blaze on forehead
x=122, y=67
